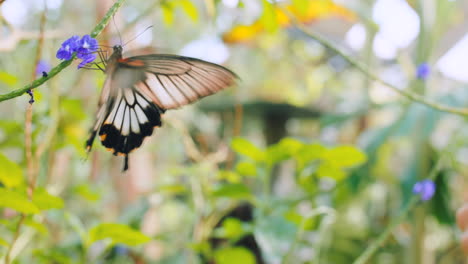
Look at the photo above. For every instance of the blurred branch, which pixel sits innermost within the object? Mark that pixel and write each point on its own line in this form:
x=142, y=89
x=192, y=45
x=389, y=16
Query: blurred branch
x=17, y=35
x=365, y=70
x=94, y=33
x=30, y=162
x=413, y=202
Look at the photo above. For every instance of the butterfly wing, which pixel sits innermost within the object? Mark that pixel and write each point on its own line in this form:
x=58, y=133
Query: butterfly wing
x=173, y=81
x=141, y=88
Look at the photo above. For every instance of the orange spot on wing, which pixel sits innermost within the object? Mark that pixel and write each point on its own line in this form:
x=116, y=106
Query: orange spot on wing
x=103, y=137
x=134, y=63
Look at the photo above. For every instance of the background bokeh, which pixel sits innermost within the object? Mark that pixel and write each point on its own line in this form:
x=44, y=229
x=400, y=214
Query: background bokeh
x=306, y=160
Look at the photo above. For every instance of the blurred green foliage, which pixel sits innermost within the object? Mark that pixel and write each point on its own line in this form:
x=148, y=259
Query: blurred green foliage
x=241, y=181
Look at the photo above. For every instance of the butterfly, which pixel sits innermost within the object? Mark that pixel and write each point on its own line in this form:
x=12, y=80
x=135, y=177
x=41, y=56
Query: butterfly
x=139, y=89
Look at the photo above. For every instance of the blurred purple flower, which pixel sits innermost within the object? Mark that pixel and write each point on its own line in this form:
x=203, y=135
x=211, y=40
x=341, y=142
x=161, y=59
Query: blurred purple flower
x=121, y=250
x=42, y=66
x=84, y=49
x=423, y=71
x=68, y=47
x=425, y=188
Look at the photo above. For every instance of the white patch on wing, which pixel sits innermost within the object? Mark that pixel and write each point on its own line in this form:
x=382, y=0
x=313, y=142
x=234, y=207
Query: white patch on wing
x=134, y=122
x=129, y=96
x=126, y=122
x=119, y=116
x=159, y=91
x=141, y=115
x=111, y=116
x=141, y=101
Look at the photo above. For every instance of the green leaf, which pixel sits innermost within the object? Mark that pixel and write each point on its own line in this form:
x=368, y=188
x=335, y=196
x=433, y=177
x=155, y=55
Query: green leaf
x=8, y=79
x=326, y=169
x=168, y=15
x=309, y=153
x=229, y=176
x=299, y=220
x=190, y=9
x=17, y=201
x=11, y=175
x=118, y=233
x=246, y=148
x=202, y=247
x=233, y=255
x=3, y=242
x=40, y=227
x=172, y=189
x=246, y=168
x=345, y=156
x=84, y=191
x=53, y=255
x=45, y=201
x=268, y=18
x=283, y=150
x=235, y=191
x=231, y=229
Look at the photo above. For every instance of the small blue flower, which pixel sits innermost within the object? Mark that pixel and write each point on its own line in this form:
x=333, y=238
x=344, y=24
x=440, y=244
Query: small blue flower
x=425, y=188
x=84, y=49
x=423, y=71
x=68, y=47
x=86, y=45
x=42, y=66
x=87, y=58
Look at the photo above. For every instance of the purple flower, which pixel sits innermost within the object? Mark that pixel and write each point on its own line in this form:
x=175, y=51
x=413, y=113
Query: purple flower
x=84, y=49
x=423, y=71
x=42, y=66
x=87, y=58
x=68, y=47
x=425, y=188
x=86, y=45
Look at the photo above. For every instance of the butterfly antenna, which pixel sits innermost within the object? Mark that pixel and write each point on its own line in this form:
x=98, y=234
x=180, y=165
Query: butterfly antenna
x=137, y=35
x=117, y=28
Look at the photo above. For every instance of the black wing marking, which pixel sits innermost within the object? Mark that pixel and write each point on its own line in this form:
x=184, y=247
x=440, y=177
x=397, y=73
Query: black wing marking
x=175, y=81
x=131, y=118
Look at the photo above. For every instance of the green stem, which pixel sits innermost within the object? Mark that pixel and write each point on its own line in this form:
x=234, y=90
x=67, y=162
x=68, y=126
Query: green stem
x=36, y=83
x=365, y=70
x=379, y=242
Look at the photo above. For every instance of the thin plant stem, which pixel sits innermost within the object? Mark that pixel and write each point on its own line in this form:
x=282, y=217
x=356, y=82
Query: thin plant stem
x=28, y=140
x=365, y=70
x=38, y=82
x=28, y=123
x=15, y=238
x=379, y=242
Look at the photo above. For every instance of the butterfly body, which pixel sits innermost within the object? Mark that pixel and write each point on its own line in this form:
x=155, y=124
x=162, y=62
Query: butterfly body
x=139, y=89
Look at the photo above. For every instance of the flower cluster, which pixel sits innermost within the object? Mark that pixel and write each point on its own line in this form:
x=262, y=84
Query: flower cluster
x=425, y=188
x=84, y=49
